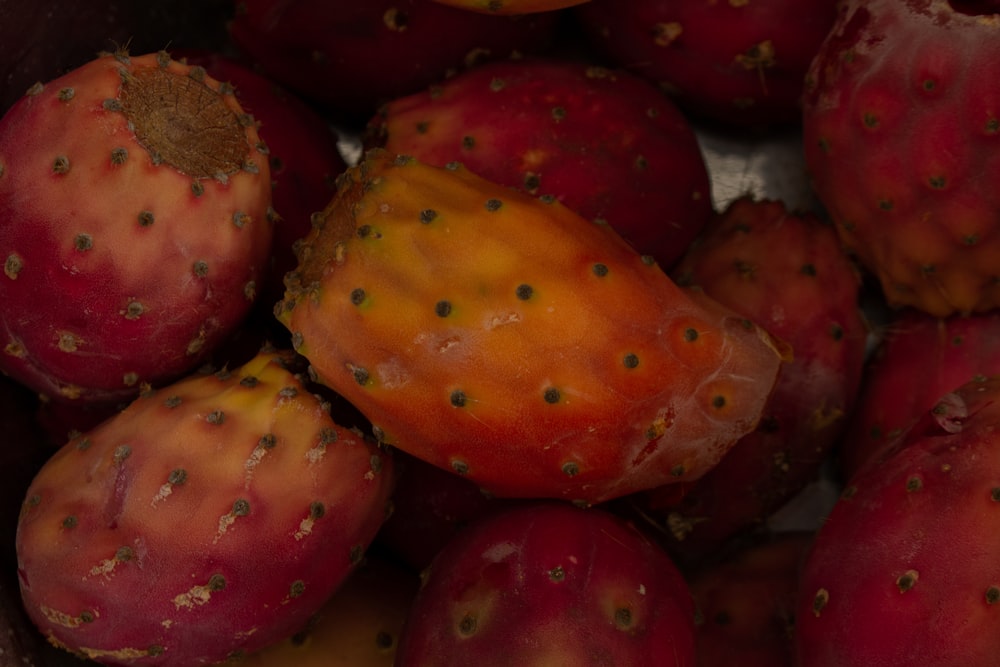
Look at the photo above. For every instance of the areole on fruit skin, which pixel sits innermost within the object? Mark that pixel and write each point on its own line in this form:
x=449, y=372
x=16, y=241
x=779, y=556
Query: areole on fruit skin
x=136, y=198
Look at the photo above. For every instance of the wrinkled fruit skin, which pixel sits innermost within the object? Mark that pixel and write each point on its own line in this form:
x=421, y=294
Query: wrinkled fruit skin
x=901, y=133
x=606, y=143
x=348, y=57
x=550, y=584
x=511, y=341
x=737, y=63
x=134, y=231
x=897, y=391
x=903, y=570
x=208, y=519
x=808, y=296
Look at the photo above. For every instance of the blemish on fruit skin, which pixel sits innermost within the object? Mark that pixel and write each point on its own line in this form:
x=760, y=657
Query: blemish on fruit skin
x=992, y=595
x=60, y=165
x=460, y=467
x=907, y=580
x=12, y=266
x=630, y=360
x=820, y=600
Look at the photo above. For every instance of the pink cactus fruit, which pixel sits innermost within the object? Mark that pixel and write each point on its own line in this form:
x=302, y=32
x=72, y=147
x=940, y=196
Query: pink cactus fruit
x=206, y=520
x=135, y=197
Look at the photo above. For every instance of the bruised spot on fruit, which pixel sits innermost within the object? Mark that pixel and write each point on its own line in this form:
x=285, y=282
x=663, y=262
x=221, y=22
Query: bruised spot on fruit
x=992, y=126
x=836, y=332
x=200, y=268
x=570, y=469
x=995, y=494
x=427, y=216
x=630, y=360
x=358, y=296
x=70, y=522
x=992, y=595
x=146, y=218
x=600, y=270
x=458, y=398
x=12, y=266
x=493, y=205
x=60, y=165
x=820, y=600
x=83, y=242
x=719, y=402
x=641, y=163
x=468, y=143
x=914, y=484
x=552, y=395
x=531, y=182
x=907, y=580
x=185, y=122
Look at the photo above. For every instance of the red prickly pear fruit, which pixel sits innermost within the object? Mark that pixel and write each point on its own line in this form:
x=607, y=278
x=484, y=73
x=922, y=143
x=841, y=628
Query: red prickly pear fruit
x=903, y=570
x=348, y=57
x=898, y=390
x=302, y=151
x=808, y=296
x=207, y=520
x=359, y=626
x=499, y=336
x=736, y=63
x=135, y=194
x=604, y=142
x=746, y=603
x=899, y=128
x=548, y=583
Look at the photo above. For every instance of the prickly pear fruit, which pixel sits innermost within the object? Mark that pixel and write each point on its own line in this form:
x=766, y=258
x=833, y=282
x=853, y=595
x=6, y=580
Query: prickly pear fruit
x=808, y=296
x=514, y=342
x=900, y=121
x=604, y=142
x=897, y=391
x=548, y=583
x=208, y=519
x=135, y=195
x=903, y=570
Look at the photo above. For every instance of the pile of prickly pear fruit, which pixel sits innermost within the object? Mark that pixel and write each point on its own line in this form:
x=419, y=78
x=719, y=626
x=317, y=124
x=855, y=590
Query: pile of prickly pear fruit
x=436, y=333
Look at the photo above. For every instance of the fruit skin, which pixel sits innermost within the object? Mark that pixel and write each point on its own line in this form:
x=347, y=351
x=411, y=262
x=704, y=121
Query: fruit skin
x=808, y=296
x=359, y=626
x=550, y=584
x=208, y=519
x=737, y=63
x=349, y=57
x=900, y=128
x=511, y=341
x=93, y=195
x=302, y=153
x=511, y=7
x=897, y=391
x=903, y=569
x=604, y=142
x=746, y=603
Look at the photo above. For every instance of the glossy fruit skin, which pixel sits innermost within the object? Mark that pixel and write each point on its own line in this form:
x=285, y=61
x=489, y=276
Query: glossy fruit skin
x=919, y=358
x=498, y=336
x=550, y=584
x=903, y=569
x=208, y=519
x=808, y=296
x=900, y=130
x=604, y=142
x=739, y=64
x=132, y=243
